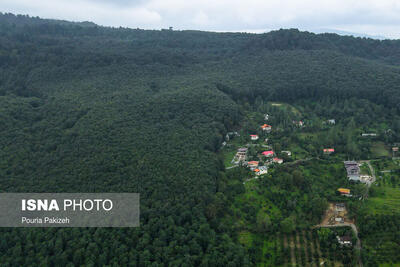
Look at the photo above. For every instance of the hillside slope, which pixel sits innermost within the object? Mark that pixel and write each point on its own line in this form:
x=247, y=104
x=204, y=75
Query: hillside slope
x=91, y=109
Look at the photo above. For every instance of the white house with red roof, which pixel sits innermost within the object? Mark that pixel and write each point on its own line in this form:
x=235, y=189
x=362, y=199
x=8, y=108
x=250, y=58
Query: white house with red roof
x=252, y=164
x=267, y=128
x=329, y=150
x=254, y=137
x=278, y=160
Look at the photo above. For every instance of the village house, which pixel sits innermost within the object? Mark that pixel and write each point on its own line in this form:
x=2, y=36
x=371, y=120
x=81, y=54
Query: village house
x=267, y=128
x=339, y=219
x=254, y=137
x=395, y=150
x=278, y=160
x=298, y=123
x=269, y=153
x=353, y=170
x=252, y=165
x=344, y=240
x=287, y=152
x=340, y=207
x=261, y=170
x=242, y=151
x=240, y=155
x=331, y=121
x=328, y=151
x=344, y=191
x=266, y=117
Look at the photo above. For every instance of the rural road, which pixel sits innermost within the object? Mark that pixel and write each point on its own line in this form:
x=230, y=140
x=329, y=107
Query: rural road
x=231, y=167
x=373, y=177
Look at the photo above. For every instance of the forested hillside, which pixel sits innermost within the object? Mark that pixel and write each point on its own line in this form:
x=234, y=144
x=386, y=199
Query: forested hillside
x=85, y=108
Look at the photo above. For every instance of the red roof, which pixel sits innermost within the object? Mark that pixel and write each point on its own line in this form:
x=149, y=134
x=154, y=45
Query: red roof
x=253, y=135
x=252, y=162
x=277, y=159
x=265, y=126
x=329, y=150
x=267, y=153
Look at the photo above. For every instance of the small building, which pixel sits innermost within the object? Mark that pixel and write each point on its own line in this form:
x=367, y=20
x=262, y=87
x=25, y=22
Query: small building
x=254, y=137
x=395, y=149
x=298, y=123
x=344, y=240
x=240, y=155
x=267, y=128
x=368, y=134
x=230, y=135
x=266, y=117
x=344, y=191
x=261, y=170
x=242, y=151
x=269, y=153
x=329, y=151
x=278, y=160
x=340, y=207
x=252, y=165
x=339, y=219
x=353, y=170
x=287, y=152
x=331, y=121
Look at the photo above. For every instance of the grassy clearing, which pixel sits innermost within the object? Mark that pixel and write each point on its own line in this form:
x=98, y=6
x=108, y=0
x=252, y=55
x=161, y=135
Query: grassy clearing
x=389, y=265
x=386, y=200
x=388, y=164
x=228, y=156
x=298, y=152
x=246, y=238
x=365, y=169
x=287, y=107
x=304, y=136
x=378, y=149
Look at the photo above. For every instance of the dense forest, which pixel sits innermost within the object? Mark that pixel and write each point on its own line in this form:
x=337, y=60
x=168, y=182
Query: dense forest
x=85, y=108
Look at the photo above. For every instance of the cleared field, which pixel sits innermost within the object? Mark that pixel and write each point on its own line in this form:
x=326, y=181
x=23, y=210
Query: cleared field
x=378, y=149
x=390, y=265
x=287, y=107
x=245, y=238
x=385, y=201
x=228, y=156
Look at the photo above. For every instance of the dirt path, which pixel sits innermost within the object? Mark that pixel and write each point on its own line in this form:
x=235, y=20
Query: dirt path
x=299, y=247
x=305, y=244
x=318, y=249
x=373, y=177
x=299, y=160
x=292, y=254
x=231, y=167
x=312, y=248
x=286, y=246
